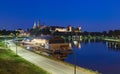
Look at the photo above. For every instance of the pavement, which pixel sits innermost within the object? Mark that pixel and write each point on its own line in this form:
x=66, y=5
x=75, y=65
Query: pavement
x=52, y=66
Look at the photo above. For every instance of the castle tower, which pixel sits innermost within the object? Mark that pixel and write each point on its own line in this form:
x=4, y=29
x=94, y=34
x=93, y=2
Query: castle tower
x=38, y=25
x=34, y=26
x=69, y=28
x=79, y=29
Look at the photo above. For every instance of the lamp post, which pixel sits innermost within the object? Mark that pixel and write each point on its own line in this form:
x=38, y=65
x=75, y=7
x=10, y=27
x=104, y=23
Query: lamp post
x=5, y=41
x=74, y=61
x=75, y=55
x=16, y=44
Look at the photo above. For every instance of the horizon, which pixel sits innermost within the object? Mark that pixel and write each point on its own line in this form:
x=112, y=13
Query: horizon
x=92, y=16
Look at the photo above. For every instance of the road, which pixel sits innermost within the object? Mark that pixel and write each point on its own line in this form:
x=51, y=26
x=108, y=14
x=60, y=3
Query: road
x=52, y=66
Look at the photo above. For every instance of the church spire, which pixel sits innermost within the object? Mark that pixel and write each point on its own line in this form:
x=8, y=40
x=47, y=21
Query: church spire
x=38, y=25
x=34, y=26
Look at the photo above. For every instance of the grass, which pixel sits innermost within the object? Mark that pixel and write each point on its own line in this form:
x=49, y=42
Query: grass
x=2, y=43
x=12, y=64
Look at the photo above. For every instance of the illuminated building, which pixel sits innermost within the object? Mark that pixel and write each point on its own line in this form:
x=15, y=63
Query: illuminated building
x=38, y=25
x=23, y=33
x=61, y=29
x=70, y=28
x=34, y=26
x=79, y=29
x=57, y=28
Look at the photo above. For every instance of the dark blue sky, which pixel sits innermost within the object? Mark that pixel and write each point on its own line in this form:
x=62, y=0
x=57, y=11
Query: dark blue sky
x=91, y=15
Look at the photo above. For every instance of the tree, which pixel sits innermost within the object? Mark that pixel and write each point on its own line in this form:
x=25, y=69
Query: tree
x=110, y=33
x=104, y=33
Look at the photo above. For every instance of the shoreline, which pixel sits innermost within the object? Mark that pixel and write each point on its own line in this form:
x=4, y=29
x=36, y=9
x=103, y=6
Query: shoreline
x=63, y=62
x=41, y=53
x=88, y=71
x=113, y=40
x=66, y=63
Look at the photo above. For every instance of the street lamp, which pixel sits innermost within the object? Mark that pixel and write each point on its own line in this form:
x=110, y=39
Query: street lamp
x=16, y=44
x=76, y=43
x=74, y=61
x=5, y=41
x=74, y=56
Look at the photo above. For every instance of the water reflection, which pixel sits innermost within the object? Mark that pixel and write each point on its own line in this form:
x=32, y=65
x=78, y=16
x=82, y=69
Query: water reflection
x=76, y=44
x=91, y=40
x=96, y=56
x=79, y=45
x=114, y=45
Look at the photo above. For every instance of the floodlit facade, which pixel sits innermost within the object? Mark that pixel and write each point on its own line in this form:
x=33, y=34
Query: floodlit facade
x=61, y=29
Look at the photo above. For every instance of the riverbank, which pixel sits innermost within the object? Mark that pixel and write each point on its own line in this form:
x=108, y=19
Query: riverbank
x=51, y=57
x=13, y=64
x=51, y=66
x=113, y=40
x=89, y=71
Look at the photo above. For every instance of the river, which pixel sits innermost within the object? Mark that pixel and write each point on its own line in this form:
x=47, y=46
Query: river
x=101, y=56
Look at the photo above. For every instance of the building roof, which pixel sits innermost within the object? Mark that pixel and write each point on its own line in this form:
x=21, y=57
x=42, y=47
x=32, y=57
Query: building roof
x=57, y=39
x=44, y=37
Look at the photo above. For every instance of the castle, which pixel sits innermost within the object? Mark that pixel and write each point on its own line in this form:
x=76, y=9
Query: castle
x=57, y=28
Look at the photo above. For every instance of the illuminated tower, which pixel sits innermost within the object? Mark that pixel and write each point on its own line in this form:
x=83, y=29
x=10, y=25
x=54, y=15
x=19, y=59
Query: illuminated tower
x=79, y=29
x=69, y=28
x=38, y=25
x=34, y=26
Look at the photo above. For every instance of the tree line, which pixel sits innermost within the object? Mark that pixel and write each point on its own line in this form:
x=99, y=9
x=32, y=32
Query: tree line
x=104, y=33
x=8, y=32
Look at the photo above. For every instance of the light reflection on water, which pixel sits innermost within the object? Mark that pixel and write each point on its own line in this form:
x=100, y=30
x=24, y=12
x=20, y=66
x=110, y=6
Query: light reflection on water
x=101, y=56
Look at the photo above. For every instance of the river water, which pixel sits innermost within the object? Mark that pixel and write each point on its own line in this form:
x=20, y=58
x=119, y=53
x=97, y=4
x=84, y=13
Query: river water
x=101, y=56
